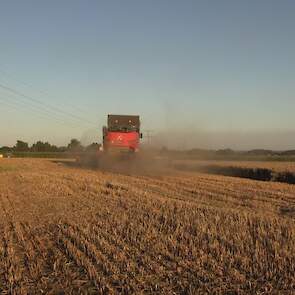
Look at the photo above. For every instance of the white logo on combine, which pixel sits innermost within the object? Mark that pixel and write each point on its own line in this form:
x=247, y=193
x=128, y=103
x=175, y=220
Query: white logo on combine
x=119, y=138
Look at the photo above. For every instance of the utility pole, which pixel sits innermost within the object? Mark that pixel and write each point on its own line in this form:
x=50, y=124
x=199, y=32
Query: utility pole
x=149, y=135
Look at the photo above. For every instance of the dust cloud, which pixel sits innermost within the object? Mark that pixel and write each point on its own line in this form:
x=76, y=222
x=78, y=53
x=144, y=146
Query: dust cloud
x=145, y=163
x=184, y=139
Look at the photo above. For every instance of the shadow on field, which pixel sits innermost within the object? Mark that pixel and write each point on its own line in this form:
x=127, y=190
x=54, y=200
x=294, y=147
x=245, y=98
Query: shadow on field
x=261, y=174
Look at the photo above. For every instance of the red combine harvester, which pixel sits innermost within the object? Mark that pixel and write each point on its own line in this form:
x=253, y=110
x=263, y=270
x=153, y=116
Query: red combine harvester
x=121, y=140
x=122, y=133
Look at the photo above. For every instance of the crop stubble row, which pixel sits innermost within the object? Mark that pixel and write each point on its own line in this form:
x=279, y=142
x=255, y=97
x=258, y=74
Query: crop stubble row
x=87, y=231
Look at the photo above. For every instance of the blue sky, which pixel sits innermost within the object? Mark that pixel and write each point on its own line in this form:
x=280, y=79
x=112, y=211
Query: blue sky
x=224, y=67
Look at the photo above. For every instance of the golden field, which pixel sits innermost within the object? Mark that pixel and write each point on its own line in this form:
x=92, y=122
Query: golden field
x=68, y=230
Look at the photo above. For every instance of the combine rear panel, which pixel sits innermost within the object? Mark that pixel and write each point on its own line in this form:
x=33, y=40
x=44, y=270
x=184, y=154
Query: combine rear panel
x=122, y=133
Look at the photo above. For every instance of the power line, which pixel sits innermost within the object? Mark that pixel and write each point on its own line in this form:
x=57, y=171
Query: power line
x=38, y=114
x=35, y=108
x=55, y=109
x=33, y=88
x=149, y=134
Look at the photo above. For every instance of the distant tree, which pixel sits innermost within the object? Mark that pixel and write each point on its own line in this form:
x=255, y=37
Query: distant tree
x=75, y=145
x=261, y=152
x=62, y=149
x=21, y=146
x=6, y=149
x=93, y=147
x=40, y=146
x=53, y=148
x=288, y=153
x=225, y=152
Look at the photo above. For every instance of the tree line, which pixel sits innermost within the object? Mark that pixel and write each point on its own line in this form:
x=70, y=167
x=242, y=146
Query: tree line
x=45, y=147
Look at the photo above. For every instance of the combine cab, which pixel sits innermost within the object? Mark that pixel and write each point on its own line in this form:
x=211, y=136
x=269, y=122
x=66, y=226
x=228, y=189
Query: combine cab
x=121, y=134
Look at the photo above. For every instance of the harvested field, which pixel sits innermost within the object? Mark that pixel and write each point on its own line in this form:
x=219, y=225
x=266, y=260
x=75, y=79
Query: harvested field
x=66, y=230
